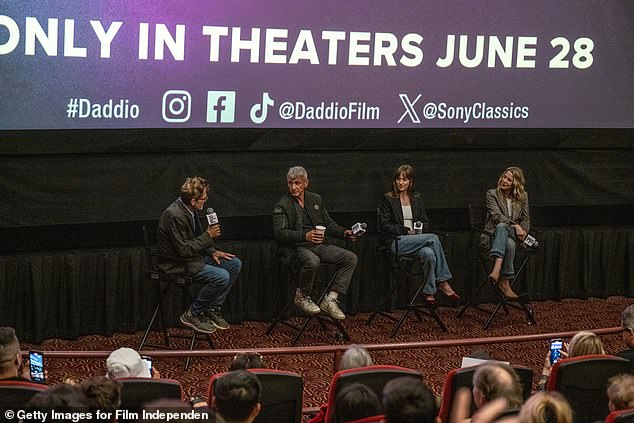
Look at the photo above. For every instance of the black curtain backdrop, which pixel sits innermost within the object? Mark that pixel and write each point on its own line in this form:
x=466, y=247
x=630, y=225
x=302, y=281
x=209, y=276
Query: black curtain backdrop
x=73, y=202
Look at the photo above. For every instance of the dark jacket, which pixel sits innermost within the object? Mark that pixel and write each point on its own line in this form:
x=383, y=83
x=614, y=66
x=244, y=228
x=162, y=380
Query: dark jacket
x=391, y=214
x=287, y=222
x=178, y=238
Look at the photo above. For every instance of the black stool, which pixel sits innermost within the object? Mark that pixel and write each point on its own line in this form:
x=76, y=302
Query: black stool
x=163, y=282
x=292, y=273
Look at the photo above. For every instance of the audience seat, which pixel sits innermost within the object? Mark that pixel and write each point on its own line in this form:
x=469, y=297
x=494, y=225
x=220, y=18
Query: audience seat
x=282, y=393
x=374, y=377
x=372, y=419
x=463, y=378
x=136, y=391
x=583, y=382
x=15, y=393
x=621, y=416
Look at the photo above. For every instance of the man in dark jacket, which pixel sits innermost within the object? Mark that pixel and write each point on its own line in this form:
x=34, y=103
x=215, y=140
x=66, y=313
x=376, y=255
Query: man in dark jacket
x=299, y=219
x=180, y=234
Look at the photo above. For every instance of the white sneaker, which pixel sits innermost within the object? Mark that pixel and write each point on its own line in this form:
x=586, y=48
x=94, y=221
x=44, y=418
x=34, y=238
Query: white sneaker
x=305, y=303
x=331, y=306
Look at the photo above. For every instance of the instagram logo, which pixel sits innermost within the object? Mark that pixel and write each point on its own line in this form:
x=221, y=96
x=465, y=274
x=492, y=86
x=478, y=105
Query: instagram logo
x=177, y=106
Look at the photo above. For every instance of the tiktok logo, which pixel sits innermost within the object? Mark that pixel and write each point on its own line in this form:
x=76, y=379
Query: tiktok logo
x=259, y=110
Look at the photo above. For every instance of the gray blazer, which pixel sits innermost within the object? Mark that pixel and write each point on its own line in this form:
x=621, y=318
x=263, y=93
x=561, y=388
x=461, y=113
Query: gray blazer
x=498, y=213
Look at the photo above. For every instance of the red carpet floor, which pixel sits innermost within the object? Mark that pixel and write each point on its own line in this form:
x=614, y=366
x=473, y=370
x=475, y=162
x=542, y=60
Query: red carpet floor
x=317, y=369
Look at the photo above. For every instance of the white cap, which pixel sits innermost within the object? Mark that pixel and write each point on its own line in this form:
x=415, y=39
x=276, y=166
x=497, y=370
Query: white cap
x=126, y=362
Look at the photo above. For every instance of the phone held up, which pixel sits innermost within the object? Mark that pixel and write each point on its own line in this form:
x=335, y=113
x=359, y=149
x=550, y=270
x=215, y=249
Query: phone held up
x=148, y=361
x=36, y=364
x=555, y=350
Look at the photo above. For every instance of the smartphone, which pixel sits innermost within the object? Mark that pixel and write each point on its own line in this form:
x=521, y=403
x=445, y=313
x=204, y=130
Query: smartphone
x=36, y=363
x=555, y=350
x=148, y=361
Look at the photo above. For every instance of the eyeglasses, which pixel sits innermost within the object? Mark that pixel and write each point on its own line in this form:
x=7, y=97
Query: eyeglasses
x=624, y=330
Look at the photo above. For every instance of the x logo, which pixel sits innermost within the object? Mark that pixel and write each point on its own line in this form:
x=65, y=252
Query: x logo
x=409, y=108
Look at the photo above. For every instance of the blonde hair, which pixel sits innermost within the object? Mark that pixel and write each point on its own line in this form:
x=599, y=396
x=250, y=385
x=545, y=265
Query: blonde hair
x=621, y=391
x=546, y=407
x=585, y=343
x=518, y=192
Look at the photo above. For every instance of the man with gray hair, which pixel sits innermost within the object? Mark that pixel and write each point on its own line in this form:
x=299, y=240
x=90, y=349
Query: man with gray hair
x=300, y=220
x=627, y=323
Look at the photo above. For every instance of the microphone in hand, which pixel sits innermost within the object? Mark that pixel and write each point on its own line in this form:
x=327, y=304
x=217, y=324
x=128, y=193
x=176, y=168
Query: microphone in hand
x=359, y=229
x=212, y=217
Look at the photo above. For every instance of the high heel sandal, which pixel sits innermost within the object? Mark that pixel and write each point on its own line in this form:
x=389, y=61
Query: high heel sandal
x=453, y=296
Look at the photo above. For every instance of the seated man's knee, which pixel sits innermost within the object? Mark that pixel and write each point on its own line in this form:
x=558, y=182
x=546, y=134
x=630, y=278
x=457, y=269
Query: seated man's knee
x=351, y=258
x=235, y=264
x=311, y=262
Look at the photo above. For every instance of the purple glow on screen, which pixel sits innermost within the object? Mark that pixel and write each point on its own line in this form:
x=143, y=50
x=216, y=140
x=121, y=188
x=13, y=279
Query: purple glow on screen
x=289, y=64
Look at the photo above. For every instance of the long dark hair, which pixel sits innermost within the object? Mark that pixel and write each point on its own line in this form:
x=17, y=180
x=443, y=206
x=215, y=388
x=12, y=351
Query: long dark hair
x=408, y=172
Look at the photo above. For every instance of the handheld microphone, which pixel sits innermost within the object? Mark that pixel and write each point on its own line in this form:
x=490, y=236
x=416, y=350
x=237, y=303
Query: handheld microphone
x=530, y=241
x=418, y=227
x=358, y=229
x=212, y=217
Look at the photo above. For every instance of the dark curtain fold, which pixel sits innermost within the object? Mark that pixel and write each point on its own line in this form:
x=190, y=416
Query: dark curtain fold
x=74, y=293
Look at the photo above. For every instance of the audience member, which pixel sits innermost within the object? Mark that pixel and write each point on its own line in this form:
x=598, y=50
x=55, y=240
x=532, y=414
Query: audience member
x=497, y=380
x=583, y=343
x=103, y=394
x=63, y=398
x=11, y=367
x=546, y=407
x=489, y=413
x=126, y=362
x=621, y=392
x=356, y=401
x=408, y=400
x=627, y=322
x=237, y=396
x=354, y=357
x=247, y=361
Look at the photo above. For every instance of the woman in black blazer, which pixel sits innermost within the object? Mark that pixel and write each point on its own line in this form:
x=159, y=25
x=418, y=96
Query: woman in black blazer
x=401, y=210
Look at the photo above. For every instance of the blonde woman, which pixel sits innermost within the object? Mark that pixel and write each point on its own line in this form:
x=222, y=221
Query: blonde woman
x=509, y=220
x=546, y=407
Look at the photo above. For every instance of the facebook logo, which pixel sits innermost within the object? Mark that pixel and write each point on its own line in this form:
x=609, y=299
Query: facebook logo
x=221, y=106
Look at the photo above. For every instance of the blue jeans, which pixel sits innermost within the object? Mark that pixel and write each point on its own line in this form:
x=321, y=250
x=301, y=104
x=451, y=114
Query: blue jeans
x=218, y=279
x=503, y=246
x=428, y=249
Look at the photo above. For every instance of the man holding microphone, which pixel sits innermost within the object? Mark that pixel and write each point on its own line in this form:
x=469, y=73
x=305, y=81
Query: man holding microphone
x=180, y=234
x=300, y=221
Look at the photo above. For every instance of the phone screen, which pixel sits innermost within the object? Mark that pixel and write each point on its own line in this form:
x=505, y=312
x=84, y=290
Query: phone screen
x=148, y=362
x=36, y=362
x=555, y=350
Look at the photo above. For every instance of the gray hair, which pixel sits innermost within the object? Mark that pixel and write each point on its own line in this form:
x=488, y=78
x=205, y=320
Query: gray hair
x=627, y=317
x=9, y=347
x=355, y=357
x=297, y=172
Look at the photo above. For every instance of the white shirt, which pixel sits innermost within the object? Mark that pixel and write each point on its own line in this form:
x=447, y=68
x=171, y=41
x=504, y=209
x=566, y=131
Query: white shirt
x=408, y=221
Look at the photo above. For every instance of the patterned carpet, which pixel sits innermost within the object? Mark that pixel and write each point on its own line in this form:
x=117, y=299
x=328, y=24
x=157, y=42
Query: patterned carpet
x=317, y=369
